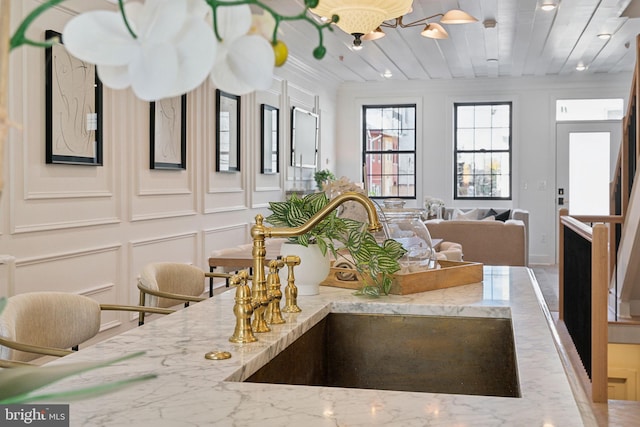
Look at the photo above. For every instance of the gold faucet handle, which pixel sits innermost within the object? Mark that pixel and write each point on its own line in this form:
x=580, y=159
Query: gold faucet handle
x=276, y=264
x=291, y=260
x=240, y=278
x=291, y=290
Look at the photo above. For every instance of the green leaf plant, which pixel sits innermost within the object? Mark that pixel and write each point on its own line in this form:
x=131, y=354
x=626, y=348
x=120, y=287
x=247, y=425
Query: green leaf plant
x=375, y=262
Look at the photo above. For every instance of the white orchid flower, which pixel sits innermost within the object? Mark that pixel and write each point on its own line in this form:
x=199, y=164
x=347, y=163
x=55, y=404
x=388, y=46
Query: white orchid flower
x=244, y=62
x=173, y=53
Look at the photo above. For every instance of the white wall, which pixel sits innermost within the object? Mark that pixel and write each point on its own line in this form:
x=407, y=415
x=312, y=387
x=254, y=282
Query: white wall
x=90, y=230
x=533, y=136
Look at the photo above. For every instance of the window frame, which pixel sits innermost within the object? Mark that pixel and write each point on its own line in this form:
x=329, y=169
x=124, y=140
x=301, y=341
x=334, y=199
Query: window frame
x=366, y=151
x=509, y=151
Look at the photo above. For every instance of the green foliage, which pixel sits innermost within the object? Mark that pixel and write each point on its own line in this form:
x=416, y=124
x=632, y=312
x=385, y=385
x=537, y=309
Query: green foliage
x=322, y=176
x=374, y=262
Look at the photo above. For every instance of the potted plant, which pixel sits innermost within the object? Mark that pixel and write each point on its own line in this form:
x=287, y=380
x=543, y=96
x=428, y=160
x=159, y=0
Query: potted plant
x=322, y=176
x=374, y=262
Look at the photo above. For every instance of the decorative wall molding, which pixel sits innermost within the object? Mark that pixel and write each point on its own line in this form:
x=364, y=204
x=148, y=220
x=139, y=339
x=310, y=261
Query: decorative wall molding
x=226, y=209
x=23, y=262
x=162, y=239
x=41, y=195
x=162, y=215
x=229, y=227
x=20, y=229
x=97, y=290
x=226, y=190
x=165, y=192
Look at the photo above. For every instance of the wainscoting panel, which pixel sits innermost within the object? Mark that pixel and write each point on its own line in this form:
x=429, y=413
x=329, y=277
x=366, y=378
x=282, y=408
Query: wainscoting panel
x=72, y=271
x=53, y=196
x=157, y=193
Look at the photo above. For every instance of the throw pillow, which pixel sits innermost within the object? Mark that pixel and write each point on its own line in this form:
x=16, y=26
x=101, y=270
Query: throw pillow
x=490, y=213
x=503, y=216
x=462, y=216
x=489, y=218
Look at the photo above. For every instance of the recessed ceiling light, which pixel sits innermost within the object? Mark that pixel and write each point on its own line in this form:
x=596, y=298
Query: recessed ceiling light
x=547, y=6
x=581, y=67
x=387, y=74
x=604, y=36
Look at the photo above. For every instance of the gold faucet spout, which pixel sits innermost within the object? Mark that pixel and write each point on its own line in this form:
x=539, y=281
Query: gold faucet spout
x=374, y=222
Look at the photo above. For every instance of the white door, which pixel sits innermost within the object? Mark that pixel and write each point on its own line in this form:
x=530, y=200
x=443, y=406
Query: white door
x=586, y=154
x=585, y=161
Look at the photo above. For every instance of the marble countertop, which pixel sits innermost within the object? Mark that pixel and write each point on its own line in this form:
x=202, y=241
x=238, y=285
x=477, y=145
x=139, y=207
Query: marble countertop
x=191, y=390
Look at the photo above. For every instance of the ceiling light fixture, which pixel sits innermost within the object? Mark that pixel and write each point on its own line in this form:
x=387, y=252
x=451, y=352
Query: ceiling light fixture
x=604, y=36
x=360, y=17
x=364, y=19
x=387, y=74
x=581, y=67
x=548, y=6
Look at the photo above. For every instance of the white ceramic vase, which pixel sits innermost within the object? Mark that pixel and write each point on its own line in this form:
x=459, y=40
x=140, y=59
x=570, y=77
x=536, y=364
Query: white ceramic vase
x=313, y=268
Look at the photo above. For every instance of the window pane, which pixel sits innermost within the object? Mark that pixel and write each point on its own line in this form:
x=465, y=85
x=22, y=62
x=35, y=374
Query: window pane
x=407, y=141
x=374, y=140
x=483, y=150
x=465, y=117
x=465, y=139
x=500, y=139
x=390, y=130
x=483, y=139
x=483, y=116
x=501, y=116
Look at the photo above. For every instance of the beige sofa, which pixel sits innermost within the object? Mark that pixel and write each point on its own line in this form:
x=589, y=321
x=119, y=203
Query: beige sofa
x=490, y=242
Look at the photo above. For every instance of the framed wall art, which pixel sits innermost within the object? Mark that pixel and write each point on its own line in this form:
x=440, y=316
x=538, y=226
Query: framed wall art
x=269, y=139
x=73, y=102
x=168, y=133
x=227, y=132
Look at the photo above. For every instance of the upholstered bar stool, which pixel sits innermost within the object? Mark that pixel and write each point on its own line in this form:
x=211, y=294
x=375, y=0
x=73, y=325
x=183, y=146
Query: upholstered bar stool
x=49, y=323
x=166, y=284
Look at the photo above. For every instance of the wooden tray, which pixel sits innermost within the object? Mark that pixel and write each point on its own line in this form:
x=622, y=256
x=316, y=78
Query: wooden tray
x=450, y=274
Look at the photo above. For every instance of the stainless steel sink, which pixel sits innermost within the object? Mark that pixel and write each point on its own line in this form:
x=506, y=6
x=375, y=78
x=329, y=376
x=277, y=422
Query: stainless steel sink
x=458, y=355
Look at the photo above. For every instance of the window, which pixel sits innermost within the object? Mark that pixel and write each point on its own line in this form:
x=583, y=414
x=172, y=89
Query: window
x=389, y=154
x=482, y=151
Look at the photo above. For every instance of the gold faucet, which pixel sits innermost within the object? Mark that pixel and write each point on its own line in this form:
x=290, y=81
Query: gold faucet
x=259, y=232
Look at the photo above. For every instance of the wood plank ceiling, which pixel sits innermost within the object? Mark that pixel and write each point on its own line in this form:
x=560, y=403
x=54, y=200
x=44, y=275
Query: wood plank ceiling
x=526, y=41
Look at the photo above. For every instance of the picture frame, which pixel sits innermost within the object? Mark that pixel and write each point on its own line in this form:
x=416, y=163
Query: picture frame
x=168, y=133
x=304, y=138
x=227, y=132
x=269, y=139
x=73, y=108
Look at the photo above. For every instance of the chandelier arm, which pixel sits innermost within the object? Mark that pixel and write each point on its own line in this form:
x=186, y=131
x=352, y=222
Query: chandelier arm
x=421, y=21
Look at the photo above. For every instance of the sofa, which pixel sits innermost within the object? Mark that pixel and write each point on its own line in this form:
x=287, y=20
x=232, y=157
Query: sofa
x=485, y=239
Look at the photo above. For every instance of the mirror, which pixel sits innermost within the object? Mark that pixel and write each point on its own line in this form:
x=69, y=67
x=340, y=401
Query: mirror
x=270, y=139
x=227, y=132
x=304, y=138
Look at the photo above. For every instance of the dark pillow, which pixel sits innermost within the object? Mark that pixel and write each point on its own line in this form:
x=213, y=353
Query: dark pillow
x=503, y=216
x=489, y=213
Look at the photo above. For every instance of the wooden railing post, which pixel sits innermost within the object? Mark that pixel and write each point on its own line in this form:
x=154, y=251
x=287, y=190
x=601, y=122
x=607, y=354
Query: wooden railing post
x=599, y=308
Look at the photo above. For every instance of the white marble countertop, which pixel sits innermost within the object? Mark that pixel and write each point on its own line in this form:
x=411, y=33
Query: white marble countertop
x=193, y=391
